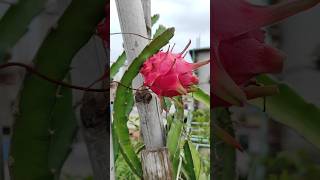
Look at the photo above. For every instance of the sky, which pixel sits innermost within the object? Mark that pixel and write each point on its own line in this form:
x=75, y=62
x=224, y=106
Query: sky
x=191, y=19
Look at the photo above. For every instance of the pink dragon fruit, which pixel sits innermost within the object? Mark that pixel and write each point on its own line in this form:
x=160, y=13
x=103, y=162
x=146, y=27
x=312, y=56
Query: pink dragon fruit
x=239, y=51
x=169, y=74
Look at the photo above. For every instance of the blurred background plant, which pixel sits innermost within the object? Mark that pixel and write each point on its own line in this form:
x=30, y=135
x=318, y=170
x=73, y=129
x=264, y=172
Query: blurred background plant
x=275, y=132
x=39, y=119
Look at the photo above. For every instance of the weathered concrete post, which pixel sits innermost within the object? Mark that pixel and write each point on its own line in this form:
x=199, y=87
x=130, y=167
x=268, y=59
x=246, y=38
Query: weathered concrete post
x=134, y=16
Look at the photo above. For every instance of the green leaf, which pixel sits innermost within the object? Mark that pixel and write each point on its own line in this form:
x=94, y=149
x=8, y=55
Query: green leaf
x=291, y=109
x=159, y=31
x=188, y=165
x=124, y=100
x=193, y=162
x=202, y=96
x=115, y=67
x=14, y=24
x=174, y=143
x=167, y=103
x=154, y=19
x=178, y=103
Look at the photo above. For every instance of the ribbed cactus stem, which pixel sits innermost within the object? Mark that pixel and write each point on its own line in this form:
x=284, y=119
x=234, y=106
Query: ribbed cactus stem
x=44, y=126
x=14, y=24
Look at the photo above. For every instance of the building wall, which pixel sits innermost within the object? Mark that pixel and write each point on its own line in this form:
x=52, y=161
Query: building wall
x=203, y=72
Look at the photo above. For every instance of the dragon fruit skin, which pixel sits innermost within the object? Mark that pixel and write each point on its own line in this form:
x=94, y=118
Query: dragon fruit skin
x=168, y=74
x=103, y=28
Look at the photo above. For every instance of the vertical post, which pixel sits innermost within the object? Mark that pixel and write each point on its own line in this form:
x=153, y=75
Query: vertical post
x=131, y=17
x=155, y=157
x=146, y=4
x=93, y=116
x=151, y=125
x=135, y=17
x=96, y=129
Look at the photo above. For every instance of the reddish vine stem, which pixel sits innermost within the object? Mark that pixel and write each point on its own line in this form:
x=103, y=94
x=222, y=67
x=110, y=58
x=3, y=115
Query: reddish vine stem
x=32, y=70
x=131, y=34
x=61, y=83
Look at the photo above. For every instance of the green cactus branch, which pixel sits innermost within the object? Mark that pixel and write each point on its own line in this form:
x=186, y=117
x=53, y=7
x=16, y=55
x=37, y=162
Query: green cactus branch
x=290, y=109
x=124, y=100
x=201, y=96
x=154, y=19
x=40, y=114
x=62, y=130
x=15, y=23
x=117, y=65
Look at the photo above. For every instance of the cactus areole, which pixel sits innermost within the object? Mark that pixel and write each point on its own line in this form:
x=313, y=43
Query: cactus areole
x=169, y=74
